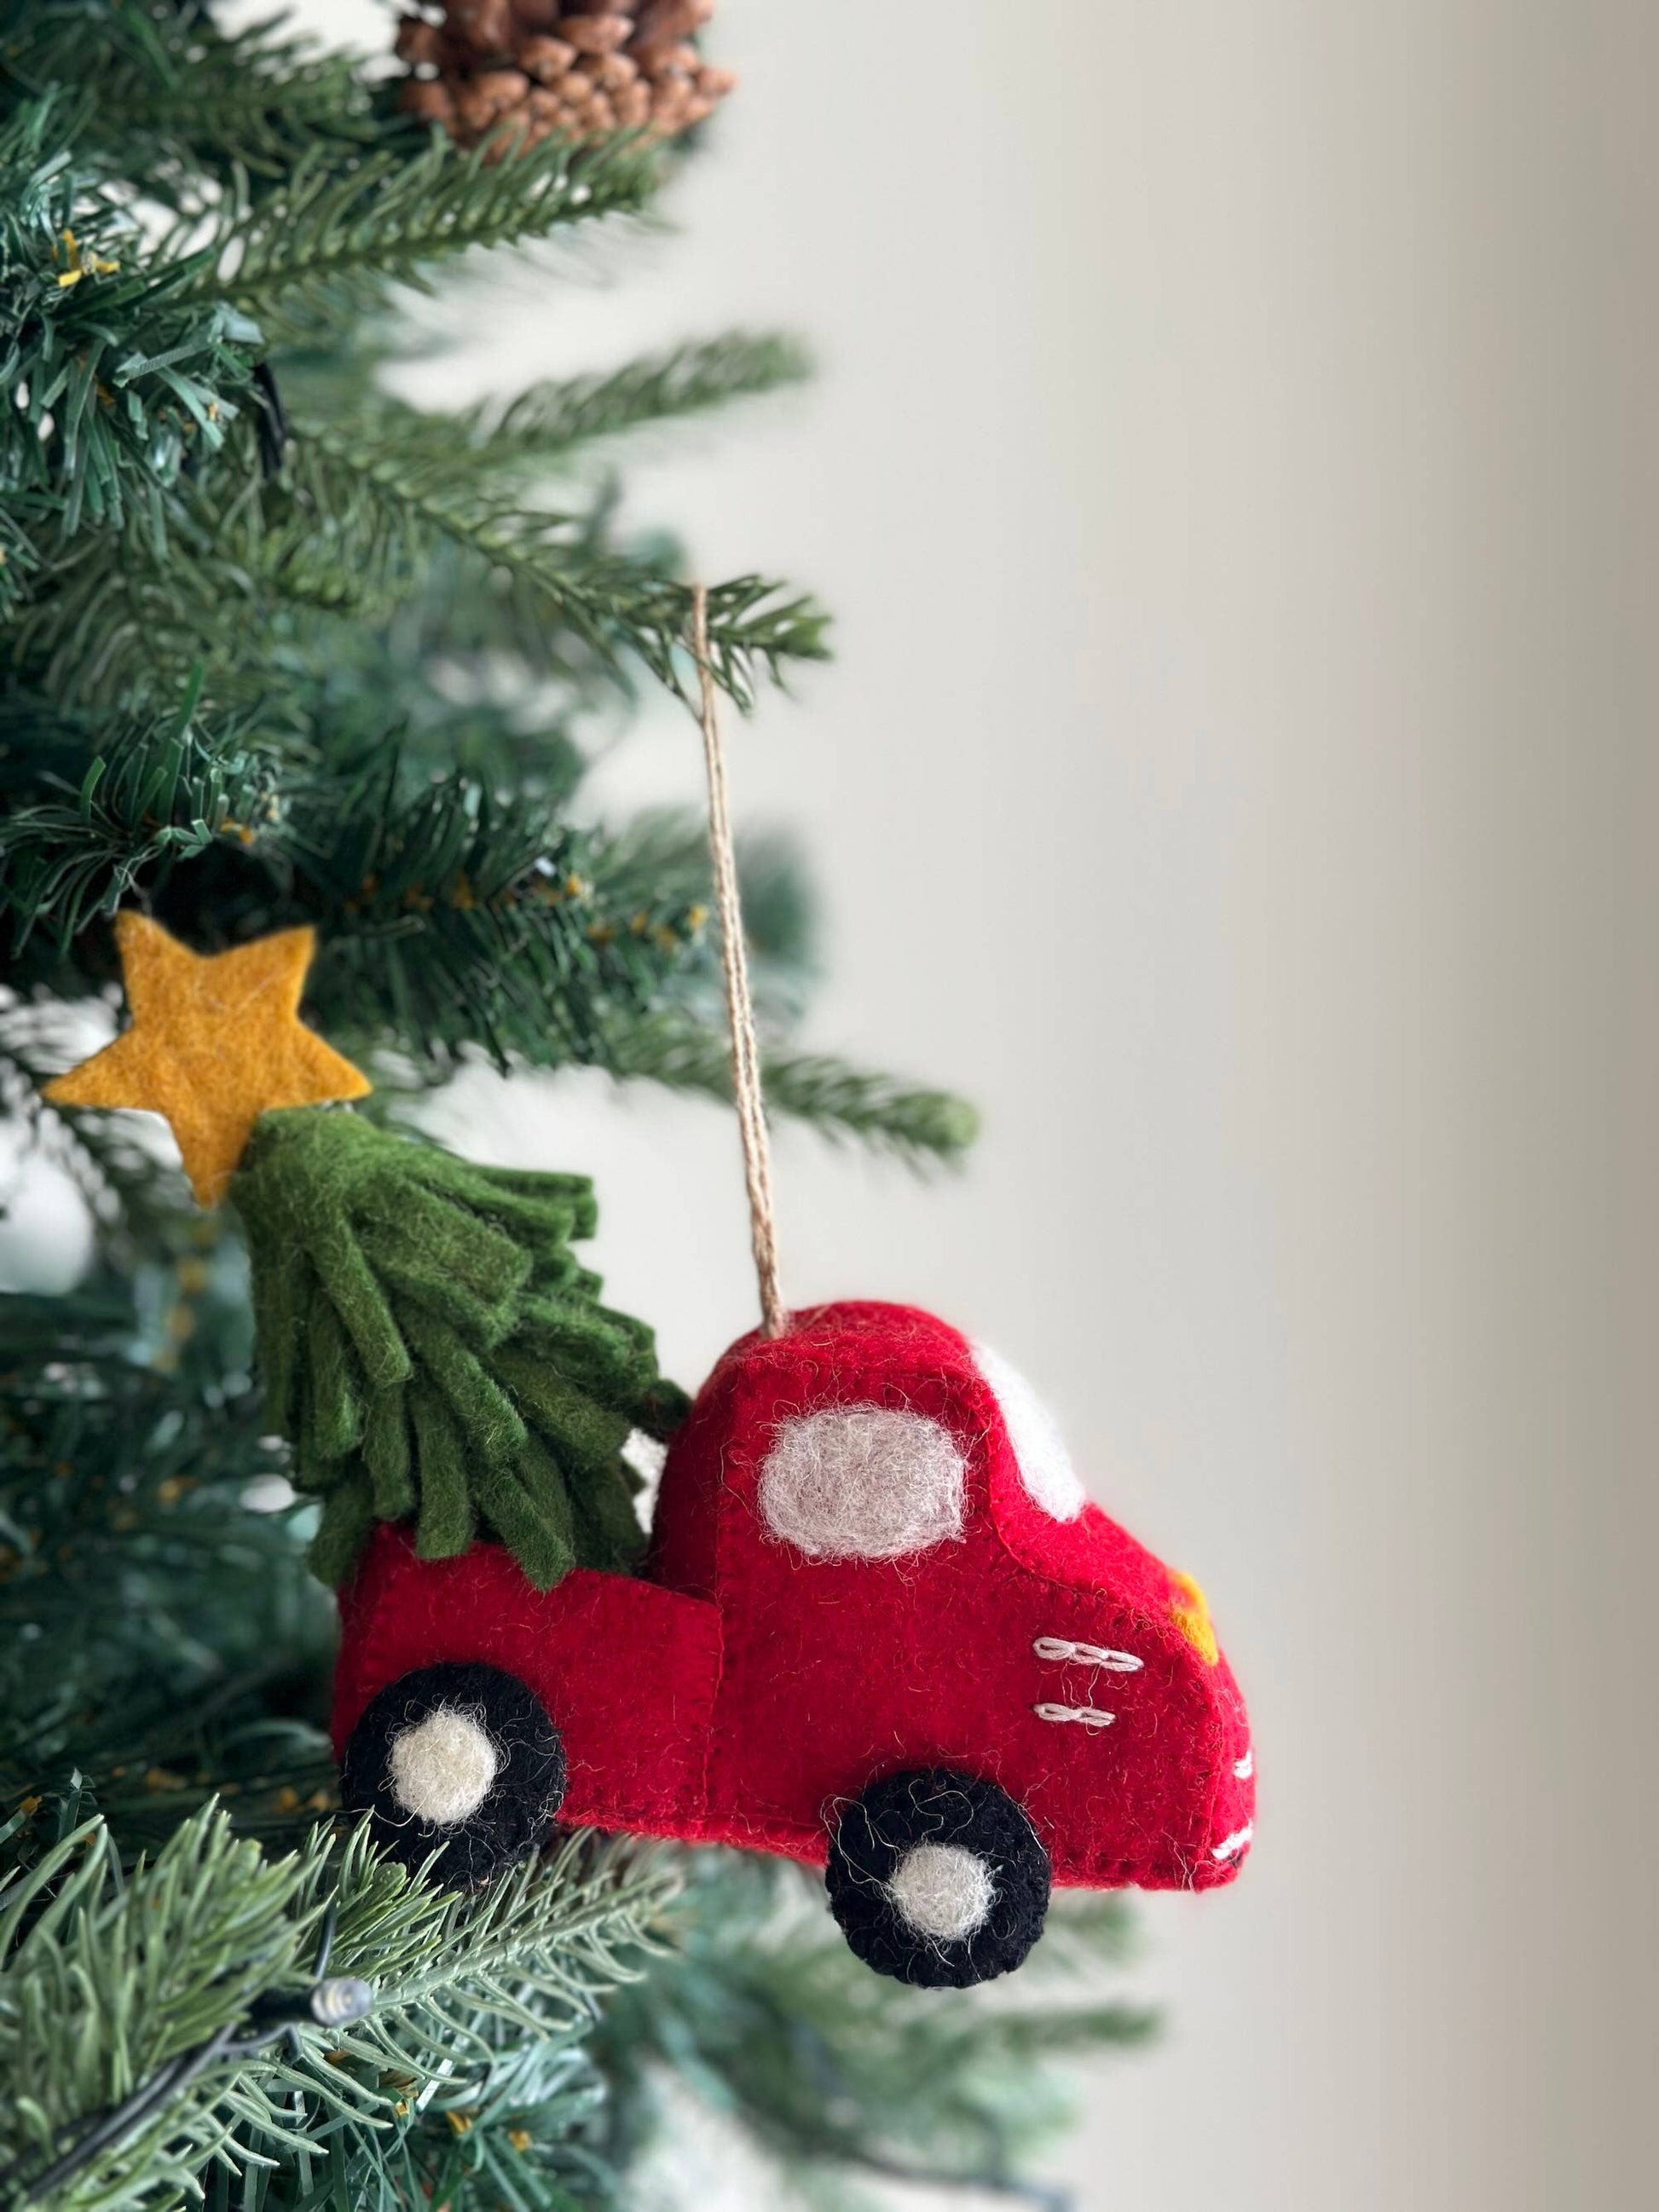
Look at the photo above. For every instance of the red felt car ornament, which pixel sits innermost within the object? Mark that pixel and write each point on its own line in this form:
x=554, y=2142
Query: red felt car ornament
x=879, y=1629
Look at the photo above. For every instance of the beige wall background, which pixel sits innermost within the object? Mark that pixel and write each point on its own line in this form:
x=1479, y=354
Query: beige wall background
x=1233, y=471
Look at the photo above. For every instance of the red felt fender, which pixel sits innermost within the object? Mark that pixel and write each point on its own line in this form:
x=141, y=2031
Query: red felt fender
x=743, y=1687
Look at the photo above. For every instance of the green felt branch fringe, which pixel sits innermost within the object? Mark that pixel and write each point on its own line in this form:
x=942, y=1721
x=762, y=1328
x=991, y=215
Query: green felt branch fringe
x=434, y=1349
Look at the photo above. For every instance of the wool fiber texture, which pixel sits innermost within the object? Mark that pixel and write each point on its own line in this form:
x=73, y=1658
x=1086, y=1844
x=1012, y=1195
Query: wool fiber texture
x=436, y=1352
x=214, y=1039
x=443, y=1766
x=626, y=1671
x=837, y=1669
x=939, y=1807
x=942, y=1890
x=525, y=1790
x=740, y=1689
x=862, y=1482
x=1040, y=1449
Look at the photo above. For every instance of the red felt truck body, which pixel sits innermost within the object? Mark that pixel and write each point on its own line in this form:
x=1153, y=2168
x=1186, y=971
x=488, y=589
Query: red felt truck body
x=743, y=1688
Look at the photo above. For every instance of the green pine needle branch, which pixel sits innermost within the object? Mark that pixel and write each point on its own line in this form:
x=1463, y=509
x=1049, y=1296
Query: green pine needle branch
x=916, y=1125
x=350, y=532
x=178, y=95
x=841, y=2075
x=116, y=370
x=105, y=1975
x=90, y=811
x=327, y=244
x=549, y=422
x=384, y=491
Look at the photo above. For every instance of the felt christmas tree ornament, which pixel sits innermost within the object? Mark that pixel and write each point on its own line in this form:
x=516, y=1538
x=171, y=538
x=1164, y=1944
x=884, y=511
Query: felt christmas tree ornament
x=436, y=1352
x=430, y=1345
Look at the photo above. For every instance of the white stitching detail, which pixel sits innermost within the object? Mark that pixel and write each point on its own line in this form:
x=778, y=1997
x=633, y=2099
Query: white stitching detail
x=1087, y=1655
x=1090, y=1716
x=1245, y=1767
x=1230, y=1846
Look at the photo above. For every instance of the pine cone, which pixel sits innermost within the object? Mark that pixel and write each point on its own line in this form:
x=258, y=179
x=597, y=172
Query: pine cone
x=527, y=68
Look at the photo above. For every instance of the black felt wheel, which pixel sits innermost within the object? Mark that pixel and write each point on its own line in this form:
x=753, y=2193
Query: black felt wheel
x=458, y=1760
x=937, y=1879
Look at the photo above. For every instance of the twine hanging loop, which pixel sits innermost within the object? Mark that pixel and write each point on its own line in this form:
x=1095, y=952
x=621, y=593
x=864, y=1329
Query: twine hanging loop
x=739, y=1005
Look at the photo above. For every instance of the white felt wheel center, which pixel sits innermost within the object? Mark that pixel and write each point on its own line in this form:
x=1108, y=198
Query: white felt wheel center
x=942, y=1891
x=443, y=1768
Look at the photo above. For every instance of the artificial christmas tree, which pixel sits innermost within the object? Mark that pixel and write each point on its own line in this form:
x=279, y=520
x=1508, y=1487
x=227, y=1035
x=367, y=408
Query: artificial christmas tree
x=286, y=654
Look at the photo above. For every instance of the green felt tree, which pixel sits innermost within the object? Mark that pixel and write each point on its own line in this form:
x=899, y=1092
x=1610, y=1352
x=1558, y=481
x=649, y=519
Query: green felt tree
x=279, y=649
x=435, y=1351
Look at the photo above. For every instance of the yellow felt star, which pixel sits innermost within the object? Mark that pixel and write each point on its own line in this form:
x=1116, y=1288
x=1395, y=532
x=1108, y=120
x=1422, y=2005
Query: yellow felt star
x=216, y=1040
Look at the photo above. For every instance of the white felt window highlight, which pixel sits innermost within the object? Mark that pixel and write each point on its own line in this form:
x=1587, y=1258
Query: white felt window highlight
x=1089, y=1717
x=1245, y=1767
x=862, y=1482
x=1230, y=1846
x=1045, y=1465
x=1060, y=1649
